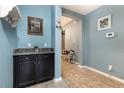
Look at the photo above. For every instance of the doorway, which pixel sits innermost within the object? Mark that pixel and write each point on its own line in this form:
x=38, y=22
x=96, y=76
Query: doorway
x=71, y=39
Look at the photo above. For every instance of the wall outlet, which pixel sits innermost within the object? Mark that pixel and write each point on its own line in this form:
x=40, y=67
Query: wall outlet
x=29, y=44
x=110, y=67
x=45, y=44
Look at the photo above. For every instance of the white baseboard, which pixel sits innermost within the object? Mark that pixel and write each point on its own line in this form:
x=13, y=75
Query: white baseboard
x=76, y=63
x=98, y=71
x=103, y=73
x=58, y=79
x=80, y=66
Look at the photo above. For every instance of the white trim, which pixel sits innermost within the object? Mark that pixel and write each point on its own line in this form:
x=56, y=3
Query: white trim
x=103, y=73
x=80, y=66
x=76, y=63
x=98, y=71
x=58, y=79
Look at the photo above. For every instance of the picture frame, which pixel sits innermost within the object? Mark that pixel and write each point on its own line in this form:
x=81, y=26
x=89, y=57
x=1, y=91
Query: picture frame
x=104, y=23
x=35, y=26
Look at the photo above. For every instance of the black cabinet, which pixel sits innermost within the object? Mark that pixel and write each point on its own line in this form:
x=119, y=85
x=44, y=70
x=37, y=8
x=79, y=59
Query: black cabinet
x=31, y=69
x=45, y=67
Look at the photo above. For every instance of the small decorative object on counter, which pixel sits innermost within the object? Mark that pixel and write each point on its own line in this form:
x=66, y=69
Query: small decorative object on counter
x=36, y=48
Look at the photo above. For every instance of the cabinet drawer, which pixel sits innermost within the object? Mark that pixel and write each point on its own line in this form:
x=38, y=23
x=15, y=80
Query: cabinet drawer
x=44, y=57
x=24, y=58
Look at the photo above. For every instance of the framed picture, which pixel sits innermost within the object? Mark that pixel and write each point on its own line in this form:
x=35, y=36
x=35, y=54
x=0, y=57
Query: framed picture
x=104, y=23
x=35, y=26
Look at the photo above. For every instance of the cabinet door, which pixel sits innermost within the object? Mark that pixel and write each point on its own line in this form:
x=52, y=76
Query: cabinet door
x=45, y=67
x=26, y=73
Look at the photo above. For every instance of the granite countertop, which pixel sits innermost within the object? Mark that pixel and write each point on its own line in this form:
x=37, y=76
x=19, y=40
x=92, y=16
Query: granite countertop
x=29, y=51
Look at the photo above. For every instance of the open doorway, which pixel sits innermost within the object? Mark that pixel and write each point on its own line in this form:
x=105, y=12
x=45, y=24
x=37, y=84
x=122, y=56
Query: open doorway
x=71, y=36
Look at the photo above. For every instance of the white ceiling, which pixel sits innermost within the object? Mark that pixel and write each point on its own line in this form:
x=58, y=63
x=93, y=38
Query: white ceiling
x=81, y=9
x=65, y=20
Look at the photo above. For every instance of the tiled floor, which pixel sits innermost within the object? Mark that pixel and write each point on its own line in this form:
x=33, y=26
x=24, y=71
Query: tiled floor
x=75, y=77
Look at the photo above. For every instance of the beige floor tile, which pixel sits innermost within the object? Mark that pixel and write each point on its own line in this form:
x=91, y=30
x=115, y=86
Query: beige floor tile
x=75, y=77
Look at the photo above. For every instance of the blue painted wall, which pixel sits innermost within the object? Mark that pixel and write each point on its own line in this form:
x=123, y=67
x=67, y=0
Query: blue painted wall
x=99, y=52
x=40, y=11
x=52, y=26
x=58, y=14
x=8, y=40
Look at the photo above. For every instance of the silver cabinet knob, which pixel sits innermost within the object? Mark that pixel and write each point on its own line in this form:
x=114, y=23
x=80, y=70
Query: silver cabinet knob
x=26, y=58
x=45, y=56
